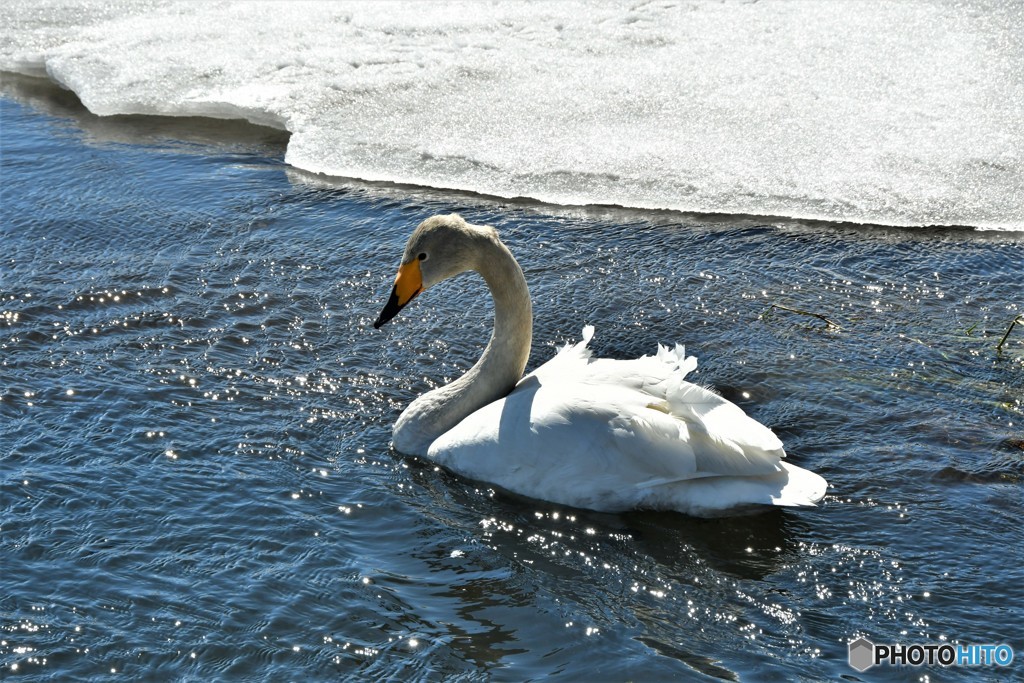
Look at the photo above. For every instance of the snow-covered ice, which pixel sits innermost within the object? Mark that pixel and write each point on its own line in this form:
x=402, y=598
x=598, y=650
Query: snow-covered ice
x=901, y=113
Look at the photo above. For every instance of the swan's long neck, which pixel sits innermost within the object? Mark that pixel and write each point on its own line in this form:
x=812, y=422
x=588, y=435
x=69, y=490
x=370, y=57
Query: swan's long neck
x=498, y=369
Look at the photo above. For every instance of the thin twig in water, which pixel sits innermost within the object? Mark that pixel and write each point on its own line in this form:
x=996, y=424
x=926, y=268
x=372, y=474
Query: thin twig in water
x=798, y=311
x=1013, y=323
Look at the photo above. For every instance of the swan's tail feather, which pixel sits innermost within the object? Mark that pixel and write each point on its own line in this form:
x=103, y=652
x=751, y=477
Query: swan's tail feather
x=803, y=487
x=717, y=496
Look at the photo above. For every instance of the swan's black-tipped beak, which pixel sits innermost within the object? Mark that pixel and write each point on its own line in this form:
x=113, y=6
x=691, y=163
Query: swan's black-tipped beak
x=408, y=283
x=391, y=309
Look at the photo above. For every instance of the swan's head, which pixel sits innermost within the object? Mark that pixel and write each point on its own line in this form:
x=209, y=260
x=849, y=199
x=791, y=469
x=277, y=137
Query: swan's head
x=440, y=248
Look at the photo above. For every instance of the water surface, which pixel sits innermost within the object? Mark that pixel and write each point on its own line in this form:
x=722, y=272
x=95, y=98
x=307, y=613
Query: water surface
x=195, y=416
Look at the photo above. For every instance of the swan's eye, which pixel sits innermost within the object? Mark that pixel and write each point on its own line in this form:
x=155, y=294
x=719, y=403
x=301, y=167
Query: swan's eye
x=422, y=257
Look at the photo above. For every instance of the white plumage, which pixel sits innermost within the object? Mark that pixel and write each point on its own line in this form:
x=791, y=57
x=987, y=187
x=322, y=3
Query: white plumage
x=602, y=434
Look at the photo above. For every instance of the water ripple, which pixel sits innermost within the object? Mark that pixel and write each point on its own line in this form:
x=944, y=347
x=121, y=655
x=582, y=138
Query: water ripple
x=196, y=413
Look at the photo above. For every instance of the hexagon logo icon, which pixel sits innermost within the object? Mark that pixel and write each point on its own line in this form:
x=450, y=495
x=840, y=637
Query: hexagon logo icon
x=862, y=654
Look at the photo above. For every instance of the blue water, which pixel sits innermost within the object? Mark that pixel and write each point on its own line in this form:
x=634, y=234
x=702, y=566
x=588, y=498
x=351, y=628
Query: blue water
x=195, y=473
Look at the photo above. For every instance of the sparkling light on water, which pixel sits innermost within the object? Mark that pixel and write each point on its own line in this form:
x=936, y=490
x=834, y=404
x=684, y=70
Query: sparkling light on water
x=218, y=500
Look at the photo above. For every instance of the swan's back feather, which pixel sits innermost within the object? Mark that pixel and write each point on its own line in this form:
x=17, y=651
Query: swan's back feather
x=615, y=435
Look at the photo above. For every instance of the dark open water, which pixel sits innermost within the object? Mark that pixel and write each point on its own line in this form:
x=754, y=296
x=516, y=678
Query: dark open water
x=195, y=474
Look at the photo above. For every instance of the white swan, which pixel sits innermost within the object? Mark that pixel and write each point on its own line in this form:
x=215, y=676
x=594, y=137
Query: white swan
x=607, y=435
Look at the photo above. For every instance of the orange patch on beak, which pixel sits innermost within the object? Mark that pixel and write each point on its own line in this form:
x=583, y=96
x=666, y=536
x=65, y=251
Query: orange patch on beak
x=408, y=282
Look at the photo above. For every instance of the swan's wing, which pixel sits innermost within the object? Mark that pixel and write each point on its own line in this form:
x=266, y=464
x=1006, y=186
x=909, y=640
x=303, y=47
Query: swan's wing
x=597, y=446
x=727, y=441
x=715, y=434
x=566, y=446
x=614, y=435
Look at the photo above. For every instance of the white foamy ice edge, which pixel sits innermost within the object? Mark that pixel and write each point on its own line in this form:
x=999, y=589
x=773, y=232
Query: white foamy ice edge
x=901, y=114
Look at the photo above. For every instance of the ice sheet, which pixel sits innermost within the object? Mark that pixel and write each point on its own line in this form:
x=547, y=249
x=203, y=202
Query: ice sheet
x=903, y=113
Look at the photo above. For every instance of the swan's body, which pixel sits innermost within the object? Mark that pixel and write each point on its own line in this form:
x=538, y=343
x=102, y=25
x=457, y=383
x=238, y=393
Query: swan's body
x=607, y=435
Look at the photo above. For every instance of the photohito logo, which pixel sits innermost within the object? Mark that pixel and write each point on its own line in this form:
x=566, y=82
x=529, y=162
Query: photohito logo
x=864, y=654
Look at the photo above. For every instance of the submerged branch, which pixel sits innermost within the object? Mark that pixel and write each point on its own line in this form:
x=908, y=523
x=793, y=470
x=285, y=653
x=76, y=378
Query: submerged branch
x=798, y=311
x=1013, y=323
